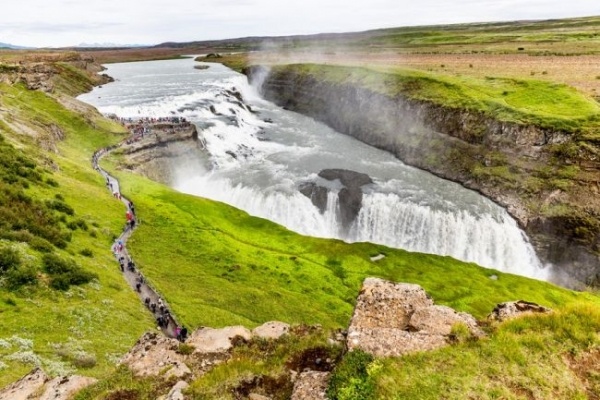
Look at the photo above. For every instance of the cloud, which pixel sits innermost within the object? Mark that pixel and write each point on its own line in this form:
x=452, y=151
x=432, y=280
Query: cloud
x=68, y=22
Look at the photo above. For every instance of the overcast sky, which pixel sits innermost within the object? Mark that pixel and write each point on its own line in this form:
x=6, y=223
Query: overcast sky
x=41, y=23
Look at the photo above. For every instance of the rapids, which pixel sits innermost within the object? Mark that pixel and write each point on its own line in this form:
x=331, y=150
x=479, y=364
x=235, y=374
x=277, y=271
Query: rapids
x=257, y=156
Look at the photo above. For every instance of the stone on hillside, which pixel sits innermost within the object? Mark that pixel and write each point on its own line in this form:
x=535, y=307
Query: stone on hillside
x=384, y=304
x=154, y=355
x=311, y=385
x=255, y=396
x=392, y=319
x=512, y=309
x=271, y=330
x=209, y=340
x=25, y=387
x=176, y=391
x=440, y=320
x=63, y=388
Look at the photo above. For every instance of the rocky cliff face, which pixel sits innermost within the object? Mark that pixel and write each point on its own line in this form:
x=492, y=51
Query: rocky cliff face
x=498, y=159
x=163, y=151
x=349, y=196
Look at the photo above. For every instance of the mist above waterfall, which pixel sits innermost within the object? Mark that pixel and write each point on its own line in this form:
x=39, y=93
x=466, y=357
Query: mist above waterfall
x=259, y=155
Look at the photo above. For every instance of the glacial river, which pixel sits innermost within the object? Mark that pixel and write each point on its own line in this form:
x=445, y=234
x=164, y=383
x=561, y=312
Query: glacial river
x=257, y=158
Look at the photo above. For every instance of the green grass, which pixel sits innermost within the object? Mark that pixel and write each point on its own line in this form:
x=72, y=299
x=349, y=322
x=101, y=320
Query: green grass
x=218, y=266
x=523, y=101
x=85, y=328
x=524, y=358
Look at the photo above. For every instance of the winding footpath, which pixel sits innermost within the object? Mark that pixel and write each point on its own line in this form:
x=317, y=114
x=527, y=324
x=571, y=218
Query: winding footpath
x=134, y=277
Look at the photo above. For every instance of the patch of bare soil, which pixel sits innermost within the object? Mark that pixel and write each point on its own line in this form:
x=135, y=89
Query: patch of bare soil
x=579, y=71
x=586, y=367
x=316, y=359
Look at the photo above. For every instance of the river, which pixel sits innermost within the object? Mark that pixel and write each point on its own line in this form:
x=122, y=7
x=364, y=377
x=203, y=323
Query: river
x=258, y=156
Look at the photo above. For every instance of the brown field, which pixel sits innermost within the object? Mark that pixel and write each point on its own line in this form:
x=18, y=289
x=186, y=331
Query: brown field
x=582, y=72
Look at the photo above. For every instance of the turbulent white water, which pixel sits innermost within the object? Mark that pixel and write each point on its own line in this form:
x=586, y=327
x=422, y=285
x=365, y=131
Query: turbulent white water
x=257, y=166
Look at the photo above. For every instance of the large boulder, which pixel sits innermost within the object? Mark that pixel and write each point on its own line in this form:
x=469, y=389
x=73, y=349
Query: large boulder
x=63, y=388
x=392, y=319
x=37, y=385
x=383, y=304
x=209, y=340
x=512, y=309
x=153, y=354
x=440, y=320
x=271, y=330
x=25, y=387
x=349, y=196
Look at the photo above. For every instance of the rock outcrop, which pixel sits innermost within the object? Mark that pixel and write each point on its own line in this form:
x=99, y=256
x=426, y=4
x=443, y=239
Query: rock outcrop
x=209, y=340
x=155, y=354
x=349, y=196
x=163, y=152
x=513, y=309
x=62, y=388
x=392, y=319
x=311, y=385
x=38, y=386
x=176, y=391
x=25, y=387
x=271, y=330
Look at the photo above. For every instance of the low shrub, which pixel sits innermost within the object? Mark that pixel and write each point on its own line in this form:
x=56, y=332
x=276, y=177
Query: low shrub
x=9, y=259
x=64, y=273
x=60, y=206
x=86, y=253
x=41, y=245
x=21, y=276
x=350, y=379
x=84, y=360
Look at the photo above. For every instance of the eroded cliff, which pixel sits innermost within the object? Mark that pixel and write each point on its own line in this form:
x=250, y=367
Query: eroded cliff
x=541, y=175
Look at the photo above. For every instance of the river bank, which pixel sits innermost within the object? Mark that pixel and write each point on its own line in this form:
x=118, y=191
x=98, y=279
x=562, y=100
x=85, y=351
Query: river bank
x=522, y=167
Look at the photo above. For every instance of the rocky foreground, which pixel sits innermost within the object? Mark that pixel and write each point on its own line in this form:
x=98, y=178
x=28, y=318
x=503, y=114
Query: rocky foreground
x=390, y=319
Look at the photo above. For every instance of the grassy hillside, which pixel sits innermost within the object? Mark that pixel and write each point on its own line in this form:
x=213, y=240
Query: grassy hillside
x=75, y=327
x=217, y=266
x=226, y=267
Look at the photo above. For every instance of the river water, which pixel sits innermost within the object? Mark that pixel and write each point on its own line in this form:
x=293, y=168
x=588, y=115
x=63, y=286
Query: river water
x=257, y=158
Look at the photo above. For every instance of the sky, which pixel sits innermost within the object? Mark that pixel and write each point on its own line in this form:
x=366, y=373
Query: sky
x=57, y=23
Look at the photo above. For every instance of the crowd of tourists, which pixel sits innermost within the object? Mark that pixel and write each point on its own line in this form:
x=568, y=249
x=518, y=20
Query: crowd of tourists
x=164, y=319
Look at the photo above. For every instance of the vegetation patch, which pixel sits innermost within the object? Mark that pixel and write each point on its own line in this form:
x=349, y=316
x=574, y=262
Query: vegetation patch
x=522, y=101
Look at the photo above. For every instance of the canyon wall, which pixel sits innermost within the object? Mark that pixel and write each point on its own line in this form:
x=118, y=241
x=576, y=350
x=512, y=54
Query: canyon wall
x=498, y=159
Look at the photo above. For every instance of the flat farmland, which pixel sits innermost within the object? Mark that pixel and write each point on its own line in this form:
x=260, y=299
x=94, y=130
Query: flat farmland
x=581, y=72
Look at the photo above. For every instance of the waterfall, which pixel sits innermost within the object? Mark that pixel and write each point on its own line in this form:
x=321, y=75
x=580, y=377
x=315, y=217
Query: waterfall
x=258, y=157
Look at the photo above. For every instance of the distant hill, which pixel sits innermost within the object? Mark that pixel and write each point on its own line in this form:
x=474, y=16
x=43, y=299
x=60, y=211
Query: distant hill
x=12, y=46
x=108, y=45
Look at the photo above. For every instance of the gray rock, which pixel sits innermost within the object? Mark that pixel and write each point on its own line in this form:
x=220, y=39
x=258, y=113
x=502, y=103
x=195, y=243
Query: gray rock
x=271, y=330
x=311, y=385
x=255, y=396
x=25, y=387
x=63, y=388
x=209, y=340
x=176, y=391
x=512, y=309
x=440, y=320
x=393, y=319
x=152, y=354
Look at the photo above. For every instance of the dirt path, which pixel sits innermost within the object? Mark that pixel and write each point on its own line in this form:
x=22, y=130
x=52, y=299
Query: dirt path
x=147, y=294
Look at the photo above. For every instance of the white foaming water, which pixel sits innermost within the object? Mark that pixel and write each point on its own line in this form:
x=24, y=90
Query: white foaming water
x=257, y=165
